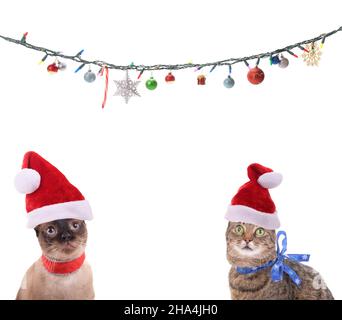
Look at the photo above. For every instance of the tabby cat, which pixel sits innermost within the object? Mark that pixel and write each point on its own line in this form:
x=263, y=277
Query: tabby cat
x=249, y=245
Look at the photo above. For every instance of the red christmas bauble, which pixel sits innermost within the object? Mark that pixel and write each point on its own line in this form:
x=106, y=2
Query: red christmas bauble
x=170, y=77
x=255, y=75
x=52, y=68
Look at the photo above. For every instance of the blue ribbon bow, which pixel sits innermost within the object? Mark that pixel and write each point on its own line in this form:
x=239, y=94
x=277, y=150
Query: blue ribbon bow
x=278, y=265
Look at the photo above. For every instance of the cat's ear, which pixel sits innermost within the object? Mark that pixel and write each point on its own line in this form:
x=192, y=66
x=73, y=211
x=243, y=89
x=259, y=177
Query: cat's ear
x=37, y=231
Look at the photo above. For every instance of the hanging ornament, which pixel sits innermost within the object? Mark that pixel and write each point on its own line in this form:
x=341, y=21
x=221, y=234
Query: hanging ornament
x=52, y=68
x=274, y=60
x=255, y=75
x=201, y=80
x=229, y=81
x=170, y=78
x=312, y=54
x=61, y=66
x=284, y=62
x=106, y=71
x=89, y=76
x=126, y=88
x=151, y=83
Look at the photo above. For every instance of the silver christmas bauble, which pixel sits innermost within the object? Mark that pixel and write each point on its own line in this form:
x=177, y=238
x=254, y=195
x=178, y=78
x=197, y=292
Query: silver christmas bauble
x=89, y=76
x=229, y=82
x=61, y=66
x=284, y=62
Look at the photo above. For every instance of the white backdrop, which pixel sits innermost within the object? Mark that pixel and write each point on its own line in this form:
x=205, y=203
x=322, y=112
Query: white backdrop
x=160, y=171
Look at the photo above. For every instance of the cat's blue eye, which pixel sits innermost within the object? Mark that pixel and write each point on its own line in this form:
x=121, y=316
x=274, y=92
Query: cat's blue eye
x=75, y=226
x=51, y=231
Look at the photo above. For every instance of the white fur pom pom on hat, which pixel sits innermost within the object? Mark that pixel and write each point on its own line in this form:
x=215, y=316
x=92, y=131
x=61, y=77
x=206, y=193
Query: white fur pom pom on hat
x=270, y=180
x=27, y=181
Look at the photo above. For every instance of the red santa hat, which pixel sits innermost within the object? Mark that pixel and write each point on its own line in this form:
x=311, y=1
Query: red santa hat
x=253, y=203
x=49, y=195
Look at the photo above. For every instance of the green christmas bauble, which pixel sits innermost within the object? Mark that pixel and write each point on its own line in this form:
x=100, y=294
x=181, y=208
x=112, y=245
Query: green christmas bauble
x=151, y=83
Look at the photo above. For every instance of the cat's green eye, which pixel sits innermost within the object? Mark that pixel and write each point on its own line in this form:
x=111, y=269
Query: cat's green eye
x=239, y=230
x=260, y=232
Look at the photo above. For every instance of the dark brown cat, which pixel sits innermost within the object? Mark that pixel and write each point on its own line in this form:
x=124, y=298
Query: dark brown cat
x=250, y=246
x=62, y=241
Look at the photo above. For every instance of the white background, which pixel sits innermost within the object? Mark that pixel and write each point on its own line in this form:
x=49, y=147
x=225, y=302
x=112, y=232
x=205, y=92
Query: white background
x=160, y=171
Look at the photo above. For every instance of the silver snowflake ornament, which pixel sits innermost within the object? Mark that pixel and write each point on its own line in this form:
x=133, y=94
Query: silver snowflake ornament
x=126, y=88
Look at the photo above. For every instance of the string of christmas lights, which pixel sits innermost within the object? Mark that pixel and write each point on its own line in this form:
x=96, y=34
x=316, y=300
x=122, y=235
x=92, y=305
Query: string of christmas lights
x=127, y=88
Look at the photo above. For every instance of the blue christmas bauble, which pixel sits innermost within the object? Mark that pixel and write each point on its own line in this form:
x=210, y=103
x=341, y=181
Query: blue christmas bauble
x=229, y=82
x=275, y=60
x=89, y=76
